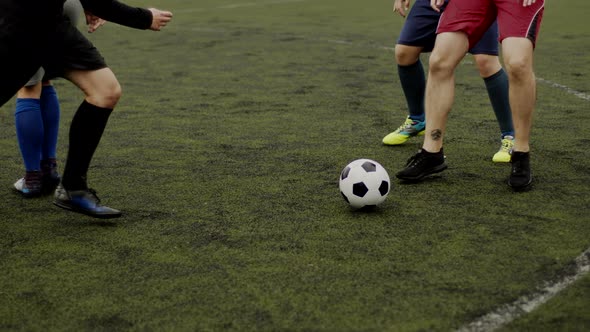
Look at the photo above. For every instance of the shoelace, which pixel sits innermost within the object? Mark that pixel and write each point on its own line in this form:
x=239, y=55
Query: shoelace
x=517, y=167
x=406, y=125
x=93, y=192
x=415, y=160
x=506, y=145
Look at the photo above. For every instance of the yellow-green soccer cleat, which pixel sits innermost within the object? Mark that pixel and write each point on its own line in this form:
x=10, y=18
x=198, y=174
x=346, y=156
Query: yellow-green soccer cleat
x=504, y=154
x=410, y=128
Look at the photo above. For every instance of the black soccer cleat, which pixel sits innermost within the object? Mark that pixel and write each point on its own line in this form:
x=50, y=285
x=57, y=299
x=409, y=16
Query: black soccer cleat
x=422, y=164
x=520, y=177
x=83, y=201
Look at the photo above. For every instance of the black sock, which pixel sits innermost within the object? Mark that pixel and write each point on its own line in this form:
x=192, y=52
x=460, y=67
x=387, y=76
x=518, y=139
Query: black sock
x=413, y=81
x=85, y=132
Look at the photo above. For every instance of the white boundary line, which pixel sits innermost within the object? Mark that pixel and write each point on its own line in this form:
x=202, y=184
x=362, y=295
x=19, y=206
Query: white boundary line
x=526, y=304
x=569, y=90
x=237, y=5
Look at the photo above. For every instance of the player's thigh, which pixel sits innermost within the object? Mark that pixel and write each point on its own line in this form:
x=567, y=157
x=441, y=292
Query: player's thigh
x=419, y=29
x=514, y=20
x=449, y=49
x=100, y=86
x=470, y=17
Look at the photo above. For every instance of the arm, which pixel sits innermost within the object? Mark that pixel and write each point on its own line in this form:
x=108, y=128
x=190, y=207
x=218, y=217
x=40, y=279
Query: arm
x=120, y=13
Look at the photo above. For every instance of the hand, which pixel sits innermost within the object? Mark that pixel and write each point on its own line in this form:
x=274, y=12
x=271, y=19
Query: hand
x=401, y=6
x=93, y=22
x=526, y=3
x=160, y=18
x=436, y=4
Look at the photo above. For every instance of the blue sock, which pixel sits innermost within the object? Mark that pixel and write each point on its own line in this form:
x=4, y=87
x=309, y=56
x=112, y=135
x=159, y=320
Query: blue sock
x=29, y=131
x=50, y=112
x=413, y=83
x=497, y=86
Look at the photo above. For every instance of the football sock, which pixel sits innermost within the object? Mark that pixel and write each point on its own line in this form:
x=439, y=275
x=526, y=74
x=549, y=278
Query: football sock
x=29, y=131
x=85, y=132
x=50, y=112
x=497, y=86
x=413, y=83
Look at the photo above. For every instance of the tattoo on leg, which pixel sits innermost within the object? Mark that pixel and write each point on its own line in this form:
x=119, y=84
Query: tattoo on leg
x=436, y=134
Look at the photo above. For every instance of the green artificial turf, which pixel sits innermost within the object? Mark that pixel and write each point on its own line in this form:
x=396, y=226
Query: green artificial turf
x=224, y=155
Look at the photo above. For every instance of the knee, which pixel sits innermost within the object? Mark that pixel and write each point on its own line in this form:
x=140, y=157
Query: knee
x=440, y=66
x=518, y=68
x=487, y=65
x=107, y=95
x=406, y=55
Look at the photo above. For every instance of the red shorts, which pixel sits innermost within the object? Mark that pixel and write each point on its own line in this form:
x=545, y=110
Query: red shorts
x=474, y=17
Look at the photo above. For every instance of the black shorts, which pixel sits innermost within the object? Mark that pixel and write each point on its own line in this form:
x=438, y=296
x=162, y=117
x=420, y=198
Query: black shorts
x=69, y=49
x=27, y=45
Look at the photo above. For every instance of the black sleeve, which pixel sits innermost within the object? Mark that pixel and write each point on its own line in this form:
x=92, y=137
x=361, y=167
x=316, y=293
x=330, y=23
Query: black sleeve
x=120, y=13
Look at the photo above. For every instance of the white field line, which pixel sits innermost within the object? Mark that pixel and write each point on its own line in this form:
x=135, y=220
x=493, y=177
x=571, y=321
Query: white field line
x=569, y=90
x=526, y=304
x=237, y=5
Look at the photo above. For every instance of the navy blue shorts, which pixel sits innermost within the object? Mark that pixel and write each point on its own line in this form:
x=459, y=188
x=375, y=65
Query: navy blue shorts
x=420, y=30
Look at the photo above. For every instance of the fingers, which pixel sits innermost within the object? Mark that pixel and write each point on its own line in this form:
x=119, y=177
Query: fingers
x=160, y=18
x=436, y=4
x=400, y=8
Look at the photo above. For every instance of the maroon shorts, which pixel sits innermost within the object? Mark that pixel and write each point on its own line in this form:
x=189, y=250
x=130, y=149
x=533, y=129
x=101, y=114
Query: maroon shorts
x=474, y=17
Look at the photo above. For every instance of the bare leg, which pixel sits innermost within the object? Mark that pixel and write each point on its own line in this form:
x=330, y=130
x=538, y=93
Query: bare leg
x=518, y=59
x=448, y=51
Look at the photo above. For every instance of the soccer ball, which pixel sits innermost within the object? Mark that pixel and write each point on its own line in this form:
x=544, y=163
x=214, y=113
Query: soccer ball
x=364, y=182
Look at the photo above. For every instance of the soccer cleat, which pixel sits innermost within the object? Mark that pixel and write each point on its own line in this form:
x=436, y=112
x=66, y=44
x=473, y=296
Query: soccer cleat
x=50, y=176
x=83, y=201
x=30, y=185
x=422, y=164
x=409, y=129
x=520, y=177
x=503, y=155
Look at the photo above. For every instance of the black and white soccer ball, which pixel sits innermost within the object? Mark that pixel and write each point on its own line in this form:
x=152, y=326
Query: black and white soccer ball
x=364, y=182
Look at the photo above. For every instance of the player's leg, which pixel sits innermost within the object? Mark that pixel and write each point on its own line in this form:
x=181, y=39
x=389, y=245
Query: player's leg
x=50, y=112
x=519, y=27
x=80, y=62
x=485, y=53
x=448, y=51
x=417, y=36
x=518, y=58
x=461, y=25
x=29, y=132
x=102, y=91
x=413, y=82
x=450, y=48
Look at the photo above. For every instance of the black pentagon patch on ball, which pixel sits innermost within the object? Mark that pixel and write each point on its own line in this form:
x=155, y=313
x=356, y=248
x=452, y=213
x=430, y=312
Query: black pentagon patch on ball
x=345, y=172
x=359, y=189
x=384, y=188
x=345, y=198
x=369, y=166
